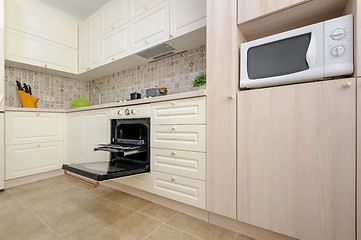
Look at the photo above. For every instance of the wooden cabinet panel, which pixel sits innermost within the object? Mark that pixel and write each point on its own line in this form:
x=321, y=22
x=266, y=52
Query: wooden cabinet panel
x=84, y=46
x=139, y=181
x=73, y=138
x=150, y=27
x=184, y=163
x=358, y=171
x=186, y=111
x=115, y=14
x=187, y=16
x=115, y=44
x=182, y=189
x=29, y=49
x=27, y=17
x=96, y=49
x=248, y=10
x=2, y=150
x=31, y=127
x=28, y=159
x=296, y=159
x=138, y=7
x=182, y=137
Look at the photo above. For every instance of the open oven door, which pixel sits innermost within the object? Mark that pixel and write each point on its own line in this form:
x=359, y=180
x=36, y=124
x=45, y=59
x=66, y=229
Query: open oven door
x=129, y=153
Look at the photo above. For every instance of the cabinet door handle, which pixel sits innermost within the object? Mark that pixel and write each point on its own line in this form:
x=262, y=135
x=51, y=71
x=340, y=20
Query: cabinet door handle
x=173, y=154
x=348, y=84
x=230, y=97
x=45, y=65
x=38, y=145
x=38, y=114
x=171, y=36
x=173, y=128
x=113, y=58
x=173, y=102
x=173, y=179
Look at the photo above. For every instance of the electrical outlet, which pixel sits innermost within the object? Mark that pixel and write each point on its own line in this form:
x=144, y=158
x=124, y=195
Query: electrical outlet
x=48, y=99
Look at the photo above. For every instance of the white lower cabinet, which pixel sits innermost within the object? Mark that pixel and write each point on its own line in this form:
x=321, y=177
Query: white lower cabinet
x=28, y=159
x=139, y=181
x=182, y=189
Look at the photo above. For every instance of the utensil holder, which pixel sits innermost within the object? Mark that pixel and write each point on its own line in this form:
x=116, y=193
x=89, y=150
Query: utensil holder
x=28, y=100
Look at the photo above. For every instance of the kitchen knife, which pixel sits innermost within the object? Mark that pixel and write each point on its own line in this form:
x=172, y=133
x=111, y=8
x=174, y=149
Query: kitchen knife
x=25, y=87
x=19, y=86
x=29, y=88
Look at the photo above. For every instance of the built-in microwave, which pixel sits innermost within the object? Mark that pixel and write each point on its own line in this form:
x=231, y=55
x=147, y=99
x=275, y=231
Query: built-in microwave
x=313, y=52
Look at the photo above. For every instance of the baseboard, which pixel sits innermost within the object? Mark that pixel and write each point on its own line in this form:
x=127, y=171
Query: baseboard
x=32, y=178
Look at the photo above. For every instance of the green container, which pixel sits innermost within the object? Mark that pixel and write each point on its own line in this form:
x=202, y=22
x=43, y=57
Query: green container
x=80, y=102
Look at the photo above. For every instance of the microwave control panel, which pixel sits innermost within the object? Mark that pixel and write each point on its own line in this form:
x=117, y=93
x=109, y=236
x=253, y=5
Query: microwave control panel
x=338, y=44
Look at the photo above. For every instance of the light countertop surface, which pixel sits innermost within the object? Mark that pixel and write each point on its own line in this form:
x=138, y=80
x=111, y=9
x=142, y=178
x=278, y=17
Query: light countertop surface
x=192, y=94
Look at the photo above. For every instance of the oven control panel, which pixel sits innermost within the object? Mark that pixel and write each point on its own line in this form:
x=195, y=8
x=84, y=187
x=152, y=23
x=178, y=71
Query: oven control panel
x=133, y=111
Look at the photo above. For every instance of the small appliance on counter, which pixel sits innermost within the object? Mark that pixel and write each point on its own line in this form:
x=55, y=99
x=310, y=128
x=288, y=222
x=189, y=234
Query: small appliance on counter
x=135, y=95
x=80, y=102
x=154, y=92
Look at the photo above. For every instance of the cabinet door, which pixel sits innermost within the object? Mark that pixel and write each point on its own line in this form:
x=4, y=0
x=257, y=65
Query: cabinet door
x=250, y=9
x=95, y=40
x=186, y=190
x=73, y=138
x=115, y=44
x=187, y=16
x=115, y=14
x=29, y=49
x=358, y=158
x=150, y=27
x=84, y=46
x=181, y=137
x=27, y=17
x=138, y=7
x=95, y=129
x=186, y=111
x=296, y=159
x=2, y=150
x=28, y=159
x=31, y=127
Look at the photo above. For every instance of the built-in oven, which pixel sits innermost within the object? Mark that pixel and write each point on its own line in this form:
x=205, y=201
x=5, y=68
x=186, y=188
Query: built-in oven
x=129, y=147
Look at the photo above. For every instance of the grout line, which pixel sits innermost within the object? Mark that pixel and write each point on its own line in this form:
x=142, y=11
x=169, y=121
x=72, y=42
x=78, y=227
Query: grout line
x=153, y=231
x=235, y=238
x=181, y=230
x=35, y=215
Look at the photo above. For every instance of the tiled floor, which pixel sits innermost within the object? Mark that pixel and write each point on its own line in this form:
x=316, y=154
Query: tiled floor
x=61, y=208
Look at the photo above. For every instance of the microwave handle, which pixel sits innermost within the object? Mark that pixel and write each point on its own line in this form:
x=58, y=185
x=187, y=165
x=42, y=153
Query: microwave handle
x=311, y=52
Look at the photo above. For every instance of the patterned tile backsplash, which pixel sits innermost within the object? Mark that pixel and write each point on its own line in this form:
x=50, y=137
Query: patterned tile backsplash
x=176, y=73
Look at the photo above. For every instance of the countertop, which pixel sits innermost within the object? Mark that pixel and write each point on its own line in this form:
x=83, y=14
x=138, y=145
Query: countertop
x=192, y=94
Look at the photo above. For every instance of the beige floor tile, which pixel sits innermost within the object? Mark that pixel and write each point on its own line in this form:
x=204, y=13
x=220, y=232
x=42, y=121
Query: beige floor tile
x=159, y=212
x=200, y=228
x=166, y=232
x=114, y=195
x=242, y=237
x=137, y=203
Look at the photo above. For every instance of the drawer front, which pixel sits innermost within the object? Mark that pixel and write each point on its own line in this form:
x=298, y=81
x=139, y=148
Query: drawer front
x=140, y=181
x=31, y=127
x=184, y=163
x=115, y=13
x=181, y=137
x=186, y=190
x=115, y=44
x=28, y=159
x=187, y=111
x=137, y=111
x=138, y=7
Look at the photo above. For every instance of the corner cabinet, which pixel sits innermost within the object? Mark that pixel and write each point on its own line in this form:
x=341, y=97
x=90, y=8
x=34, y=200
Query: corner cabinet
x=296, y=159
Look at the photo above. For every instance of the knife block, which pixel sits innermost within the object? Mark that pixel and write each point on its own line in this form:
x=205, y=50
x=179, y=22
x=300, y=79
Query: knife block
x=28, y=100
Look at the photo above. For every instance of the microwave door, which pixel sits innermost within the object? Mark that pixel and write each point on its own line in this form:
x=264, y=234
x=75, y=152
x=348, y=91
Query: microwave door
x=284, y=58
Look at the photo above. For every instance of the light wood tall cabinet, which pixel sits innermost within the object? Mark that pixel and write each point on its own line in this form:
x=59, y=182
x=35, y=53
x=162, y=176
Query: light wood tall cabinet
x=358, y=172
x=296, y=159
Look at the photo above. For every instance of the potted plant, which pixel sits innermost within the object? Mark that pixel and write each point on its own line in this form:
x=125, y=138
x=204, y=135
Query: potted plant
x=200, y=80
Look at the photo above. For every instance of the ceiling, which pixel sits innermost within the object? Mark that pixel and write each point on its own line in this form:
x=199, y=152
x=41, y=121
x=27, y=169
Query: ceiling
x=76, y=10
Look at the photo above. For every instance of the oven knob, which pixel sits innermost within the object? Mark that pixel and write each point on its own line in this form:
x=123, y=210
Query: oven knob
x=133, y=111
x=127, y=112
x=338, y=34
x=338, y=51
x=119, y=112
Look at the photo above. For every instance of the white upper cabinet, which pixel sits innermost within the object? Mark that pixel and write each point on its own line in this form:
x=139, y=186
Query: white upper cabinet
x=151, y=26
x=138, y=7
x=115, y=44
x=96, y=52
x=115, y=14
x=84, y=46
x=29, y=18
x=187, y=16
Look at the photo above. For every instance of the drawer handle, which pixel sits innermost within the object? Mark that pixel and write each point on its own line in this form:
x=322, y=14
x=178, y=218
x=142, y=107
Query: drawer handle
x=38, y=145
x=45, y=65
x=230, y=97
x=38, y=114
x=171, y=36
x=173, y=102
x=96, y=184
x=173, y=179
x=113, y=58
x=146, y=41
x=348, y=84
x=173, y=128
x=173, y=153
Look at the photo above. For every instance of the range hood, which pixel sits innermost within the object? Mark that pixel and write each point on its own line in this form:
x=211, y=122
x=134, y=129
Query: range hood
x=160, y=51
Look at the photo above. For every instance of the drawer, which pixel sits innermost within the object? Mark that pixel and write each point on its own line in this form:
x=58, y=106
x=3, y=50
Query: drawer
x=184, y=163
x=137, y=111
x=187, y=111
x=138, y=7
x=181, y=137
x=186, y=190
x=32, y=127
x=28, y=159
x=140, y=181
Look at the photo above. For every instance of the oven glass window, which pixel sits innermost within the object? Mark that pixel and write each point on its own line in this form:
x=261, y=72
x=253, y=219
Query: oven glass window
x=278, y=58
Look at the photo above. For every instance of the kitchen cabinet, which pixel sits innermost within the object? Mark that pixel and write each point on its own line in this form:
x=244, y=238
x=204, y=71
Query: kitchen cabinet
x=95, y=22
x=187, y=16
x=138, y=7
x=84, y=46
x=358, y=170
x=296, y=159
x=72, y=138
x=26, y=48
x=251, y=9
x=185, y=111
x=34, y=143
x=115, y=44
x=2, y=150
x=115, y=14
x=149, y=27
x=30, y=18
x=33, y=158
